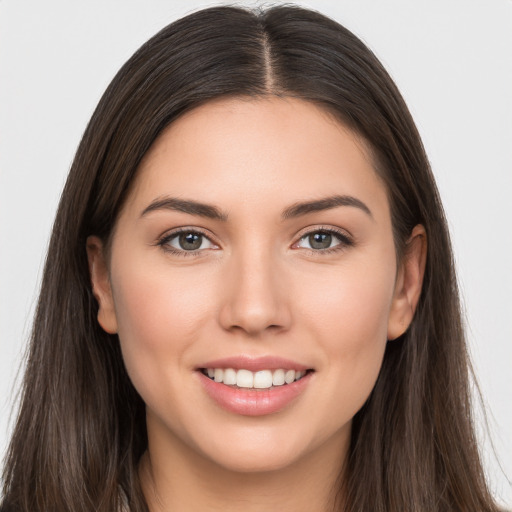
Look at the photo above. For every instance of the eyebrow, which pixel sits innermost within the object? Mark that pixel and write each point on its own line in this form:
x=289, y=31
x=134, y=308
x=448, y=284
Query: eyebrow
x=186, y=206
x=298, y=209
x=295, y=210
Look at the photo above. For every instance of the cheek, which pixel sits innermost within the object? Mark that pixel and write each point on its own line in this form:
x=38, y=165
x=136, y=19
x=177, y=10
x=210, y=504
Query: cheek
x=153, y=303
x=159, y=313
x=349, y=318
x=350, y=305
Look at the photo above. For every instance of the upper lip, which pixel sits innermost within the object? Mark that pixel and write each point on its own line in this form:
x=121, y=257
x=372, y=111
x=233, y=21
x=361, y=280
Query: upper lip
x=255, y=364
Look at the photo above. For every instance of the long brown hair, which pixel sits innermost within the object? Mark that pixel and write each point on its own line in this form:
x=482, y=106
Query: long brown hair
x=81, y=427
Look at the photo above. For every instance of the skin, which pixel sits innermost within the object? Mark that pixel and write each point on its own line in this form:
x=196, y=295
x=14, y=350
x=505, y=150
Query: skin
x=255, y=287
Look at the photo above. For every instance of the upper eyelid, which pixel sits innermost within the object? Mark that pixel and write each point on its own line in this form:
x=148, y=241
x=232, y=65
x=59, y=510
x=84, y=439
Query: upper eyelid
x=345, y=240
x=186, y=229
x=329, y=229
x=166, y=236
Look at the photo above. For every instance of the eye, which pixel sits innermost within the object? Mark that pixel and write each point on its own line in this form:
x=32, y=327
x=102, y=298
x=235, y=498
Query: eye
x=324, y=241
x=186, y=242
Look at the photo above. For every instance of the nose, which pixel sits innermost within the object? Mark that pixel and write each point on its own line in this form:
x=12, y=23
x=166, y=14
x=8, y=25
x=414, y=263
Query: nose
x=255, y=299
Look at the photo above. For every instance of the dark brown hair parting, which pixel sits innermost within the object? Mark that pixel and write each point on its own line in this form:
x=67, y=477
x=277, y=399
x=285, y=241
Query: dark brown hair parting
x=81, y=425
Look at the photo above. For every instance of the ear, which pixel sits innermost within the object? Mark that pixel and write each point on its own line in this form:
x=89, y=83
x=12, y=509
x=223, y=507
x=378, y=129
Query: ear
x=408, y=284
x=100, y=281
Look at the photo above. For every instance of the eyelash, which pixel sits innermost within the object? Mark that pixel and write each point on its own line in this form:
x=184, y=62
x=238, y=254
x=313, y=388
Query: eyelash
x=162, y=242
x=344, y=241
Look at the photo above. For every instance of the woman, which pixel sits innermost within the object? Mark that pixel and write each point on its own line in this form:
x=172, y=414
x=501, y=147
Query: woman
x=249, y=297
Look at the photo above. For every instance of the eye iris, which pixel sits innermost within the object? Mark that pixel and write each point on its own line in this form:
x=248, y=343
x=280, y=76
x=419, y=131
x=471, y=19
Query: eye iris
x=190, y=241
x=320, y=240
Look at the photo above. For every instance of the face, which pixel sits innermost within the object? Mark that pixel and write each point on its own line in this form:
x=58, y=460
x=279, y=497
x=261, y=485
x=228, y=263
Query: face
x=253, y=283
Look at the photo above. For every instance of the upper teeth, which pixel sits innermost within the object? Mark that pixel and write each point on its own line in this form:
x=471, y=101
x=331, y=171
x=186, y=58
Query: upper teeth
x=259, y=380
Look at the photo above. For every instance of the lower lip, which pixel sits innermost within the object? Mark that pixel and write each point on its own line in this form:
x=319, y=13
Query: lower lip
x=254, y=402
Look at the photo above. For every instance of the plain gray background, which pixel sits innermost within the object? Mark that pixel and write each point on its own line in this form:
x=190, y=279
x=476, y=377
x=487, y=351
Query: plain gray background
x=452, y=60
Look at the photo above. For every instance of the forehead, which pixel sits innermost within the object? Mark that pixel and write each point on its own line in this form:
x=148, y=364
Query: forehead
x=250, y=152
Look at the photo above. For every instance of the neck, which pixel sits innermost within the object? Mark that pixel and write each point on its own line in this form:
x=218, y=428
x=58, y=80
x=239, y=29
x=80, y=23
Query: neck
x=174, y=477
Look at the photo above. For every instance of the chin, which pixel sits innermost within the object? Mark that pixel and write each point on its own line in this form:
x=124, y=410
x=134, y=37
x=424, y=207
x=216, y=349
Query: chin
x=254, y=461
x=263, y=450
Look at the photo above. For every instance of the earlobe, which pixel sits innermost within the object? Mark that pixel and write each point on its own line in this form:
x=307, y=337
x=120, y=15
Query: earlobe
x=408, y=284
x=100, y=281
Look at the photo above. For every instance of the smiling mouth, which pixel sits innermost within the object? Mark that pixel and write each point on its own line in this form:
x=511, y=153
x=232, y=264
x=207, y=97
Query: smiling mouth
x=246, y=379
